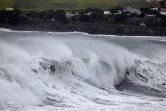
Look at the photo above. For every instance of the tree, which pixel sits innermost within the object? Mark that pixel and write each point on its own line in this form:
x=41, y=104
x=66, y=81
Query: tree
x=33, y=14
x=133, y=15
x=120, y=17
x=154, y=12
x=60, y=15
x=73, y=18
x=14, y=17
x=83, y=17
x=97, y=15
x=73, y=12
x=144, y=11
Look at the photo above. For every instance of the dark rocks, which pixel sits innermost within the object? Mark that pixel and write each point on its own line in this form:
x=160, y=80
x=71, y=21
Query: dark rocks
x=52, y=68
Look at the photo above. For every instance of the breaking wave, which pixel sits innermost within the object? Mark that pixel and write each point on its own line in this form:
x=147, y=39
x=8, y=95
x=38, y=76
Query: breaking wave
x=39, y=70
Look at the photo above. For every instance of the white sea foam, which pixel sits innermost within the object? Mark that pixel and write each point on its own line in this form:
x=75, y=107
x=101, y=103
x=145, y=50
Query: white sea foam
x=67, y=72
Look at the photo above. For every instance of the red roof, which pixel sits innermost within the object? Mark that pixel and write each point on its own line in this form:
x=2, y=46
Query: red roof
x=155, y=4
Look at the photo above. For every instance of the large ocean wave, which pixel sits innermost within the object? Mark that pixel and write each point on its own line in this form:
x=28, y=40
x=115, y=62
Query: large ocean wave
x=41, y=70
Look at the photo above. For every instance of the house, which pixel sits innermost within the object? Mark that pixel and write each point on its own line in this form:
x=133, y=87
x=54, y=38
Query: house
x=89, y=13
x=117, y=13
x=126, y=11
x=163, y=11
x=155, y=9
x=9, y=9
x=154, y=0
x=159, y=5
x=107, y=13
x=155, y=5
x=130, y=10
x=70, y=14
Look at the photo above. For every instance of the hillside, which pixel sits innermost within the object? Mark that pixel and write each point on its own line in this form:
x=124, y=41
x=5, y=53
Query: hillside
x=133, y=3
x=68, y=4
x=57, y=4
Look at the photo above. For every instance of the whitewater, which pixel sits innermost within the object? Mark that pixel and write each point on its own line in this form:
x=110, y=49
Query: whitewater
x=74, y=71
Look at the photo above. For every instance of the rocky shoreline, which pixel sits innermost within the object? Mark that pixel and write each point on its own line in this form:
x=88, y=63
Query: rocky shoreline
x=91, y=28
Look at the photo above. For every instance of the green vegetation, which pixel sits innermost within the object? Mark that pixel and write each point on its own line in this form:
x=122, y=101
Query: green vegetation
x=133, y=3
x=40, y=5
x=88, y=15
x=58, y=15
x=91, y=20
x=14, y=17
x=6, y=4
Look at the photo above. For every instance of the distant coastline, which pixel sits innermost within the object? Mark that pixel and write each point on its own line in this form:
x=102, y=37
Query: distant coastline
x=116, y=21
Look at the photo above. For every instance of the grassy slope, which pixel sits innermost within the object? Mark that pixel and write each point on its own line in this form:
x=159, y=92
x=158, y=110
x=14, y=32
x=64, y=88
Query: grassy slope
x=57, y=4
x=68, y=4
x=133, y=3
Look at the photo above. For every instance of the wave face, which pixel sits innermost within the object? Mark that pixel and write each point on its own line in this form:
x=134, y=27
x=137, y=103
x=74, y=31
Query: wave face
x=52, y=69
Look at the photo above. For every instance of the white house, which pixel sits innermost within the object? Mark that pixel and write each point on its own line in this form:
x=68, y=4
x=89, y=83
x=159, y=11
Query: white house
x=153, y=0
x=132, y=10
x=106, y=12
x=70, y=14
x=154, y=8
x=9, y=9
x=163, y=11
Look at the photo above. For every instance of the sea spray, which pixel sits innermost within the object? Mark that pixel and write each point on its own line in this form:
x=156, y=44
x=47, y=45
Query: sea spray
x=38, y=68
